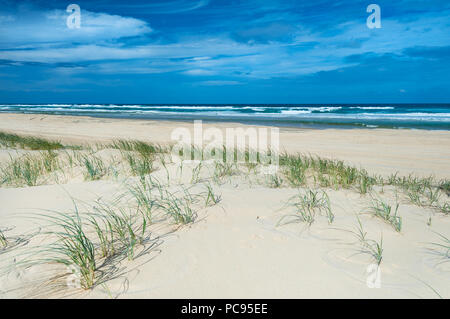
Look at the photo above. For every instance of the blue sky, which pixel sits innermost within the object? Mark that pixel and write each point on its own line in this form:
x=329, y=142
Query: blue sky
x=224, y=51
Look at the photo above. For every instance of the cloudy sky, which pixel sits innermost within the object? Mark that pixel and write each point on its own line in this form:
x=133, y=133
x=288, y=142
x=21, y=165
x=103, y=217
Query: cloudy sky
x=225, y=51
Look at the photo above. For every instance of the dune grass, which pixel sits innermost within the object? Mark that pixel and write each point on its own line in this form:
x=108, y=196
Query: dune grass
x=140, y=165
x=224, y=169
x=444, y=185
x=22, y=171
x=275, y=181
x=146, y=201
x=294, y=169
x=369, y=246
x=365, y=182
x=94, y=167
x=143, y=148
x=88, y=243
x=307, y=203
x=386, y=212
x=27, y=169
x=180, y=208
x=3, y=240
x=139, y=155
x=105, y=235
x=117, y=229
x=442, y=248
x=298, y=169
x=211, y=198
x=151, y=198
x=72, y=247
x=196, y=173
x=445, y=208
x=423, y=195
x=27, y=142
x=420, y=191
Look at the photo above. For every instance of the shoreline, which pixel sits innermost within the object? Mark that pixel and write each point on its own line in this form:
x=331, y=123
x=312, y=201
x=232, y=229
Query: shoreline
x=433, y=116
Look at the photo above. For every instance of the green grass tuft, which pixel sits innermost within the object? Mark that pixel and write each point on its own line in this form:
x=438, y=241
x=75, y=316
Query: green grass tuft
x=369, y=246
x=72, y=247
x=94, y=167
x=386, y=212
x=27, y=169
x=27, y=142
x=307, y=204
x=3, y=240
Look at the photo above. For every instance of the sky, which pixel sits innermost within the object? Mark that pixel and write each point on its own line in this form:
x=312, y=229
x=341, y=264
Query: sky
x=225, y=51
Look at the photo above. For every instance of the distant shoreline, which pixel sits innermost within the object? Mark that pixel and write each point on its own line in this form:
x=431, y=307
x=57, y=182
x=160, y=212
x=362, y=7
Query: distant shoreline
x=347, y=116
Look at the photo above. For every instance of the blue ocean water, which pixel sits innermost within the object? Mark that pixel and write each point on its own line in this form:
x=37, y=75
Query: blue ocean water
x=419, y=116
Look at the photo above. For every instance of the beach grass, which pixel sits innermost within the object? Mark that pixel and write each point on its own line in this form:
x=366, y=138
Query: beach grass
x=145, y=200
x=140, y=165
x=72, y=248
x=386, y=212
x=211, y=198
x=143, y=148
x=180, y=209
x=307, y=203
x=27, y=169
x=151, y=197
x=275, y=181
x=224, y=169
x=445, y=208
x=26, y=142
x=22, y=171
x=117, y=229
x=298, y=169
x=105, y=235
x=3, y=240
x=294, y=169
x=442, y=248
x=196, y=173
x=369, y=246
x=444, y=185
x=120, y=227
x=94, y=167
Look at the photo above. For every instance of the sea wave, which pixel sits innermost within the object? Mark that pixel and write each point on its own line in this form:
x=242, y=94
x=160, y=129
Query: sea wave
x=294, y=112
x=372, y=107
x=363, y=114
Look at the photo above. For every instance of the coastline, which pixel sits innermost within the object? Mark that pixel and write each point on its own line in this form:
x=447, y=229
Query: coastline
x=435, y=116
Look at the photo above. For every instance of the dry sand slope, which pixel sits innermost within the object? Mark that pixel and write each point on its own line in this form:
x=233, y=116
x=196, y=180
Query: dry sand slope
x=237, y=248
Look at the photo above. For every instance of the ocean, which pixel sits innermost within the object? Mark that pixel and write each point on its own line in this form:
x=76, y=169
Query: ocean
x=413, y=116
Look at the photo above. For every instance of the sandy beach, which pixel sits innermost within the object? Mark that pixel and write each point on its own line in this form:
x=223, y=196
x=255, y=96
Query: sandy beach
x=244, y=234
x=383, y=151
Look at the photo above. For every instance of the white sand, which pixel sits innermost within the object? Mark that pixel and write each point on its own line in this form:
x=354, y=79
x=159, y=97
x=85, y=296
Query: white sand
x=380, y=150
x=235, y=250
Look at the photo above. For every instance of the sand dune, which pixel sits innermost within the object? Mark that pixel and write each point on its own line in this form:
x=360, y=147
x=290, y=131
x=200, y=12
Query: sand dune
x=236, y=248
x=381, y=151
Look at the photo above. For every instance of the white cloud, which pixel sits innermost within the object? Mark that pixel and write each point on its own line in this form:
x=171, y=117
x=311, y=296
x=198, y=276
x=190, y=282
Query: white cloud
x=166, y=6
x=38, y=27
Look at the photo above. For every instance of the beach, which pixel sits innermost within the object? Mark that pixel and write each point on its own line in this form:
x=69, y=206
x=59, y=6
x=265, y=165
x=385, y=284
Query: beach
x=386, y=151
x=244, y=234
